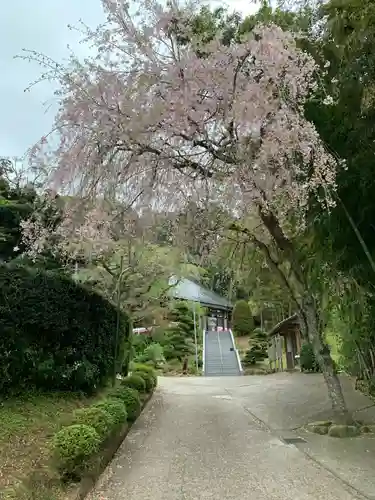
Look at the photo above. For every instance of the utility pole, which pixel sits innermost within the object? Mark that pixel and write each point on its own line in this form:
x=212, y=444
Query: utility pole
x=195, y=337
x=117, y=333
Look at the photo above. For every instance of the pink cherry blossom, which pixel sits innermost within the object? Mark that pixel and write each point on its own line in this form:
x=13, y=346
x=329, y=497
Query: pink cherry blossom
x=153, y=122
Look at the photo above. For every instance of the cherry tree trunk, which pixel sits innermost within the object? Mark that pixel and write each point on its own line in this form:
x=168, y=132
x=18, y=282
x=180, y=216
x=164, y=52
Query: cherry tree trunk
x=323, y=357
x=310, y=321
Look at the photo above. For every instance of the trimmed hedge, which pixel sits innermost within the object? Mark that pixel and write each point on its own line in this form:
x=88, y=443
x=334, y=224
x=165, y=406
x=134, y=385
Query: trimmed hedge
x=72, y=447
x=95, y=417
x=130, y=397
x=55, y=334
x=115, y=407
x=147, y=378
x=75, y=447
x=143, y=368
x=135, y=381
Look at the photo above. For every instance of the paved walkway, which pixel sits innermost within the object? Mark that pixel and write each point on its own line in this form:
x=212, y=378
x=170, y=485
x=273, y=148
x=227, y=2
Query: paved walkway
x=222, y=438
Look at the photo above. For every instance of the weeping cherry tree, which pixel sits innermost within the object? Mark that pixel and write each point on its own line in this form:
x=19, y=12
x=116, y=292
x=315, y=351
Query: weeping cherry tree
x=168, y=123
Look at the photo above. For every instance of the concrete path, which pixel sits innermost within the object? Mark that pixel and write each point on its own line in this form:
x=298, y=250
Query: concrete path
x=222, y=438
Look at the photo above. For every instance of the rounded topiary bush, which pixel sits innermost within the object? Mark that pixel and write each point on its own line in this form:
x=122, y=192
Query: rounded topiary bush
x=143, y=368
x=135, y=381
x=130, y=397
x=95, y=417
x=116, y=408
x=148, y=380
x=72, y=447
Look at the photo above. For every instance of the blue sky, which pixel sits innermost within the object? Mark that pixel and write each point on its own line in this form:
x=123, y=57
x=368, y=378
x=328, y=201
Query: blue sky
x=41, y=25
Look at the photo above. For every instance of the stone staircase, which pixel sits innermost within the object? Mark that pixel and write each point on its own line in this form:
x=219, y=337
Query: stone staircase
x=220, y=354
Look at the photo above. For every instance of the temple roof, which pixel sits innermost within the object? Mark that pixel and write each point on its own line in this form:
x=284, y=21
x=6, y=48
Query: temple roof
x=285, y=326
x=188, y=289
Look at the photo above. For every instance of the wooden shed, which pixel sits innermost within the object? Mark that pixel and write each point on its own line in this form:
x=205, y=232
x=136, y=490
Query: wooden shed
x=289, y=330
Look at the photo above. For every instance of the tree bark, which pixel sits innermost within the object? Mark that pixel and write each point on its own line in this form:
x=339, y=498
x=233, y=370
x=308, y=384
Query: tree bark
x=311, y=324
x=313, y=334
x=296, y=282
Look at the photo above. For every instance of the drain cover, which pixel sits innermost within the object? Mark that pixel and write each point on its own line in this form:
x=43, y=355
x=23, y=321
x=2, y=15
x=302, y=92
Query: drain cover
x=295, y=440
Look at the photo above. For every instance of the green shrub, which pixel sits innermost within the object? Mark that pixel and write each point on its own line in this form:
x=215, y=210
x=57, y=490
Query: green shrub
x=16, y=204
x=139, y=367
x=178, y=340
x=115, y=407
x=307, y=358
x=55, y=334
x=243, y=322
x=139, y=343
x=192, y=367
x=169, y=349
x=177, y=345
x=183, y=316
x=158, y=334
x=135, y=382
x=148, y=379
x=95, y=417
x=130, y=397
x=258, y=348
x=72, y=447
x=153, y=353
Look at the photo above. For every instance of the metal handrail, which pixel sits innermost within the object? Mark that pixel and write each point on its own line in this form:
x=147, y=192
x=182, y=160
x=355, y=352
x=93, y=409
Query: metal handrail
x=236, y=351
x=220, y=350
x=204, y=353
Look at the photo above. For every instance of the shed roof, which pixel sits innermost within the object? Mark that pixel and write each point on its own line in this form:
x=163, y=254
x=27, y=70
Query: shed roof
x=188, y=289
x=285, y=326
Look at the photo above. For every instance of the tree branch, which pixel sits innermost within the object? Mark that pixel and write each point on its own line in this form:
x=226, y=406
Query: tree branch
x=274, y=264
x=282, y=241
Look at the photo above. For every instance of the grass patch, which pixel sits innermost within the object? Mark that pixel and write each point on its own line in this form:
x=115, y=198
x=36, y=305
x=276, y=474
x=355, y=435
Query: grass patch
x=27, y=425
